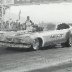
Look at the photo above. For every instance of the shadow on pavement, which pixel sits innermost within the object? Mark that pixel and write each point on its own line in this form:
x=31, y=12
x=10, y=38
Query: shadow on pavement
x=55, y=68
x=19, y=49
x=11, y=50
x=30, y=49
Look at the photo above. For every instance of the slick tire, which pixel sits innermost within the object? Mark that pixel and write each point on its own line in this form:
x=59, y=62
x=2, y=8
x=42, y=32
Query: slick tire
x=67, y=43
x=36, y=44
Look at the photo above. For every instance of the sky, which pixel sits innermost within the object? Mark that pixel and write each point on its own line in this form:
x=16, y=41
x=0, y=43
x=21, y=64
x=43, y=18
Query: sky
x=54, y=13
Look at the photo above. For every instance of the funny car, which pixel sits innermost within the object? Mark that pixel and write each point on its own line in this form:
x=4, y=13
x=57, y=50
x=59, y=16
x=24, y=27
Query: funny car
x=36, y=40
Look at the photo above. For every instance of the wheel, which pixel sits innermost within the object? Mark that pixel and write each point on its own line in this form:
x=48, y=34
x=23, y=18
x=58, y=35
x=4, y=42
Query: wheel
x=36, y=44
x=67, y=43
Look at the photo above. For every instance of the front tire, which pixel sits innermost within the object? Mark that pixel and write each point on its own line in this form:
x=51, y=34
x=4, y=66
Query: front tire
x=36, y=44
x=67, y=43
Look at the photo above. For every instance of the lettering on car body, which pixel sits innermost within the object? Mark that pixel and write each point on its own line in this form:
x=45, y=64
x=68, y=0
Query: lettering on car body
x=56, y=36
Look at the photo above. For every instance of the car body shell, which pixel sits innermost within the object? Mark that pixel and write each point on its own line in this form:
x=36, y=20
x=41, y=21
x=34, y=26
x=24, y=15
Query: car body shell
x=52, y=37
x=22, y=39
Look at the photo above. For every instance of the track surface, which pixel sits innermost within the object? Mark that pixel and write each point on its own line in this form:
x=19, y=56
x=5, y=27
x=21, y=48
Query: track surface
x=21, y=60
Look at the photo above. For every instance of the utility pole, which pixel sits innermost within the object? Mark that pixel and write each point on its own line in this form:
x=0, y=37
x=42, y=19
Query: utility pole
x=1, y=13
x=4, y=4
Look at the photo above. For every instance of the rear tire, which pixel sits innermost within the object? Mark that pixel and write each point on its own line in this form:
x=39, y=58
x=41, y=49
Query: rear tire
x=67, y=43
x=36, y=44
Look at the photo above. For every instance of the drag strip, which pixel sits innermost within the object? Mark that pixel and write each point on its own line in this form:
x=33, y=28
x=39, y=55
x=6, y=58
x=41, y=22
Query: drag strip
x=21, y=60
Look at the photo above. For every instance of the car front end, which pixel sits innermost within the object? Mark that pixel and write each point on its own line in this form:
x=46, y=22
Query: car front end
x=17, y=40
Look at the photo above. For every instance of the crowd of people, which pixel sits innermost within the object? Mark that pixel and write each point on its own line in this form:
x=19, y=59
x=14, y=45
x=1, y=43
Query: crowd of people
x=16, y=25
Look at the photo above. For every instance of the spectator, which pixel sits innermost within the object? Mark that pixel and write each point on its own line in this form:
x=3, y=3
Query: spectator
x=29, y=24
x=11, y=25
x=23, y=26
x=7, y=25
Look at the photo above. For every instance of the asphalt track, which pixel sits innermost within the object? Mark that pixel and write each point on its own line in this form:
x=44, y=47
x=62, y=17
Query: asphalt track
x=47, y=59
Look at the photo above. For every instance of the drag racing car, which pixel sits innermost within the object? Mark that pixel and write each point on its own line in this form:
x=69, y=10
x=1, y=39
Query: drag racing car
x=36, y=40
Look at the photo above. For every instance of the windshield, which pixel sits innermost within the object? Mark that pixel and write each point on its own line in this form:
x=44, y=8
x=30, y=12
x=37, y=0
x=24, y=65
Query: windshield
x=49, y=27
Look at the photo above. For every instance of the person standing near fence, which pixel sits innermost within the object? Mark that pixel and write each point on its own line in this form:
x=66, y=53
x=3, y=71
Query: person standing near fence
x=29, y=24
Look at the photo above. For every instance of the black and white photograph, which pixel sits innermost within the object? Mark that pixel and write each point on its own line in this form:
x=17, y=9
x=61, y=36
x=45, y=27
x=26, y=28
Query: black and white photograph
x=35, y=35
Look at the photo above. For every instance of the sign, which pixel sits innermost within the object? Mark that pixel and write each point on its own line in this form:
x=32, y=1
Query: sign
x=33, y=1
x=29, y=1
x=7, y=2
x=21, y=1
